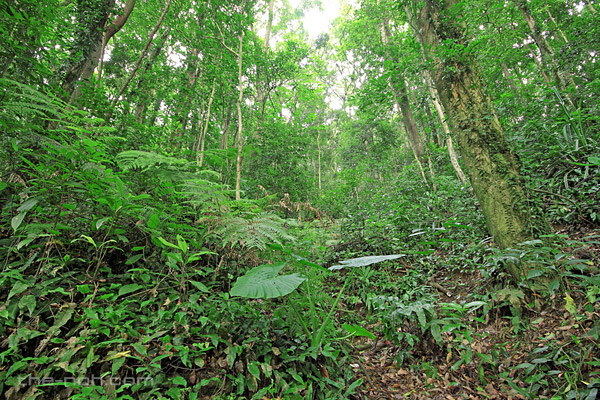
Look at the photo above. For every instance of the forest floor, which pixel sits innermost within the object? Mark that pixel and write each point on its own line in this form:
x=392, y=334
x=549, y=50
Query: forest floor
x=539, y=340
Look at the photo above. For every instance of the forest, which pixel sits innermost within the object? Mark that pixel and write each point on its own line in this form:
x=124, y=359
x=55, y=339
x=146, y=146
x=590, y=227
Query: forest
x=204, y=199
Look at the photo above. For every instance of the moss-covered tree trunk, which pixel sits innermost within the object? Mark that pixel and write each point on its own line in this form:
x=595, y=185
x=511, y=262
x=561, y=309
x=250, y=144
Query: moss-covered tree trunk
x=491, y=165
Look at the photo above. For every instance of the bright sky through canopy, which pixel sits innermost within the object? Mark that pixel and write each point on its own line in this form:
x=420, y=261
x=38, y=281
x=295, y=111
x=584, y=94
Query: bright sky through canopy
x=318, y=21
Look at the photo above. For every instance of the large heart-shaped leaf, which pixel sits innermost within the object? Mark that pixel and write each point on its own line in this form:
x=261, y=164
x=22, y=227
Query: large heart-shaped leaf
x=364, y=261
x=264, y=282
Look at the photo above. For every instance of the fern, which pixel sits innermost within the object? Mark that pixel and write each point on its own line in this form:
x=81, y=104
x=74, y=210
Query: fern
x=145, y=160
x=254, y=233
x=19, y=100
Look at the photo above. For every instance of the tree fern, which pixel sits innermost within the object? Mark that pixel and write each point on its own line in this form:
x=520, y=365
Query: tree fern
x=145, y=160
x=18, y=100
x=253, y=233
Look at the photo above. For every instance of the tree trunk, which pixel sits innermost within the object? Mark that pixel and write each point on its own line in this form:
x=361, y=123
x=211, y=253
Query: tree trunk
x=561, y=78
x=140, y=108
x=554, y=22
x=509, y=79
x=401, y=99
x=143, y=53
x=540, y=65
x=239, y=137
x=269, y=24
x=590, y=7
x=491, y=165
x=401, y=94
x=111, y=30
x=87, y=43
x=200, y=153
x=433, y=92
x=319, y=157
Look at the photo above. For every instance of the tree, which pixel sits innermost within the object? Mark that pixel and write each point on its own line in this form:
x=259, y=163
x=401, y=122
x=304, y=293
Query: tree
x=491, y=165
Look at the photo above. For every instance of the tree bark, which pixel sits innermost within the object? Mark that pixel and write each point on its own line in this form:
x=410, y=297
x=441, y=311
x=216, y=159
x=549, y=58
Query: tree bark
x=269, y=24
x=401, y=99
x=87, y=44
x=492, y=167
x=561, y=78
x=143, y=53
x=140, y=108
x=202, y=139
x=319, y=158
x=433, y=92
x=111, y=30
x=239, y=136
x=401, y=94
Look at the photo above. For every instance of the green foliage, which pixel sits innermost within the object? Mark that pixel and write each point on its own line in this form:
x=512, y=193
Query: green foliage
x=264, y=282
x=124, y=257
x=254, y=232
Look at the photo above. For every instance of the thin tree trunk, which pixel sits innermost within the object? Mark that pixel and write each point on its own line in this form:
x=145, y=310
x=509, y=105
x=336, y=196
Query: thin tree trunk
x=433, y=93
x=491, y=165
x=200, y=154
x=269, y=24
x=509, y=79
x=112, y=29
x=143, y=53
x=225, y=135
x=239, y=138
x=87, y=44
x=401, y=99
x=590, y=7
x=554, y=22
x=417, y=159
x=319, y=157
x=548, y=60
x=140, y=109
x=539, y=64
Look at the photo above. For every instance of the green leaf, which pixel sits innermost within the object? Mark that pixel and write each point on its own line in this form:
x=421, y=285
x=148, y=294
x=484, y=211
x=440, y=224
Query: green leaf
x=264, y=282
x=133, y=259
x=140, y=349
x=358, y=330
x=200, y=286
x=29, y=302
x=83, y=289
x=182, y=244
x=59, y=320
x=197, y=256
x=364, y=261
x=179, y=380
x=129, y=288
x=254, y=370
x=25, y=242
x=28, y=205
x=90, y=240
x=153, y=221
x=304, y=261
x=101, y=222
x=163, y=241
x=422, y=318
x=18, y=288
x=534, y=273
x=435, y=332
x=117, y=363
x=16, y=221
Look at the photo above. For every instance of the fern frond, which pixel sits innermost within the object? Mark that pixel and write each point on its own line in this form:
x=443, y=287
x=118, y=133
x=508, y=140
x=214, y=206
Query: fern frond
x=144, y=160
x=254, y=233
